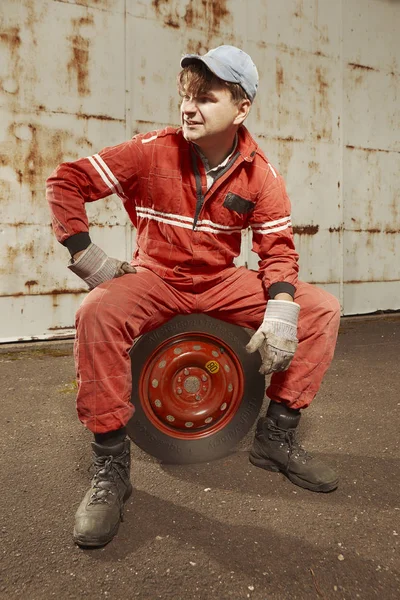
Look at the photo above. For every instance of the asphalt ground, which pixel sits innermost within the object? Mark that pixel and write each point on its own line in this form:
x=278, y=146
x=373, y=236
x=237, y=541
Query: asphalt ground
x=225, y=529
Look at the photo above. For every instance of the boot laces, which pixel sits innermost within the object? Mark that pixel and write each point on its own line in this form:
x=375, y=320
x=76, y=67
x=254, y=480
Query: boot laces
x=104, y=482
x=288, y=438
x=296, y=451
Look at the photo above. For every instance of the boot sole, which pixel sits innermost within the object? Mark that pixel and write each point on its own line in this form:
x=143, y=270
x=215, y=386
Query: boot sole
x=270, y=465
x=86, y=542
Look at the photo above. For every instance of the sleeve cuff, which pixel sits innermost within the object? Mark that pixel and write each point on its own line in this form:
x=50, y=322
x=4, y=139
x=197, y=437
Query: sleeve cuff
x=281, y=287
x=77, y=242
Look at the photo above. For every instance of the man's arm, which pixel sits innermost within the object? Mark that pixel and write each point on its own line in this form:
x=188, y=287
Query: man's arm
x=273, y=241
x=72, y=185
x=273, y=237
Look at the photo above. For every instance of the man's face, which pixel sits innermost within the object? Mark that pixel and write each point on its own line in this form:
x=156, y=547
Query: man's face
x=209, y=118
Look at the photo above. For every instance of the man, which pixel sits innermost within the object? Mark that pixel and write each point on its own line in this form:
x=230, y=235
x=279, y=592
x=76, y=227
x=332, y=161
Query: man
x=190, y=192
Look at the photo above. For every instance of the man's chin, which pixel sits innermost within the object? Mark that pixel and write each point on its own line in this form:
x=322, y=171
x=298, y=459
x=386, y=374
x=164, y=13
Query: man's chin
x=191, y=136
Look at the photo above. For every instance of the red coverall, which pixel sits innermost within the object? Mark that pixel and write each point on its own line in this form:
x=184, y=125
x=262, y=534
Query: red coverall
x=187, y=239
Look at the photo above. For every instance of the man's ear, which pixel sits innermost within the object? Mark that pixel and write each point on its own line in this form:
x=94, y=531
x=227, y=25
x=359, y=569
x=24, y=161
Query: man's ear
x=243, y=111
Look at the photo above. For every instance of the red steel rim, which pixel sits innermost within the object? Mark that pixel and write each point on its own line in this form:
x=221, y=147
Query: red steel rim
x=191, y=385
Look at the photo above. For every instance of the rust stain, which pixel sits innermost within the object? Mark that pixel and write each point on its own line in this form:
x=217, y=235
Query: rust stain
x=335, y=229
x=306, y=229
x=82, y=141
x=31, y=282
x=278, y=138
x=209, y=13
x=338, y=184
x=322, y=109
x=78, y=65
x=51, y=293
x=364, y=67
x=285, y=152
x=11, y=38
x=313, y=166
x=61, y=327
x=376, y=230
x=81, y=115
x=322, y=88
x=385, y=280
x=195, y=47
x=371, y=149
x=171, y=23
x=189, y=16
x=35, y=151
x=219, y=11
x=279, y=78
x=299, y=9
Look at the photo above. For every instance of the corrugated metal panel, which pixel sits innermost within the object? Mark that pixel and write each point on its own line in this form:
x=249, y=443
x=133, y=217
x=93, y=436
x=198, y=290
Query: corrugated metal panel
x=297, y=123
x=76, y=76
x=371, y=156
x=62, y=97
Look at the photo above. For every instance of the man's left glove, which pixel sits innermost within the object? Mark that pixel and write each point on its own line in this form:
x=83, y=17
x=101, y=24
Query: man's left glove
x=276, y=338
x=95, y=267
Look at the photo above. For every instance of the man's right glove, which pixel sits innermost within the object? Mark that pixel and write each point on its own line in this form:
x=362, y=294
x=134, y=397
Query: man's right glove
x=95, y=267
x=276, y=338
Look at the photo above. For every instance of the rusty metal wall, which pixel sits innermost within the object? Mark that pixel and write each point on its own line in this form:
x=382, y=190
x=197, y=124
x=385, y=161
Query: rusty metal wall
x=76, y=76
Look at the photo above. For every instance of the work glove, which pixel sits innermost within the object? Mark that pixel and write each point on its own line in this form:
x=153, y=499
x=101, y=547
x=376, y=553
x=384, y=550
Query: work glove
x=276, y=338
x=95, y=267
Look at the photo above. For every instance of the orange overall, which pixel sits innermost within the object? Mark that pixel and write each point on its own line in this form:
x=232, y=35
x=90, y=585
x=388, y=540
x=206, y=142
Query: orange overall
x=187, y=239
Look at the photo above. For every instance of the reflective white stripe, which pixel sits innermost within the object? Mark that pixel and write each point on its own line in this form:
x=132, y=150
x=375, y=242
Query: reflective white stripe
x=223, y=227
x=102, y=174
x=163, y=220
x=201, y=225
x=109, y=172
x=211, y=230
x=273, y=230
x=272, y=169
x=151, y=211
x=150, y=139
x=271, y=223
x=185, y=222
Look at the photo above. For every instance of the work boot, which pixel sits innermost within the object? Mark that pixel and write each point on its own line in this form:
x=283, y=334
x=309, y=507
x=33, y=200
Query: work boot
x=101, y=510
x=275, y=448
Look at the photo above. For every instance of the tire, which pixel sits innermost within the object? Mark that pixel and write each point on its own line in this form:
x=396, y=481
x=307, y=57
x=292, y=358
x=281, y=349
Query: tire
x=196, y=390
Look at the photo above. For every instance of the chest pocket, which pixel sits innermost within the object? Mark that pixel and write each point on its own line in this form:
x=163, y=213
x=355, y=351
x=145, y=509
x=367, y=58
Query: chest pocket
x=165, y=190
x=238, y=204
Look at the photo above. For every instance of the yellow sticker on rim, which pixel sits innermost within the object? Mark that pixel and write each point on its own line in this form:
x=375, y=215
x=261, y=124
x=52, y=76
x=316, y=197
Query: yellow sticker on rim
x=212, y=366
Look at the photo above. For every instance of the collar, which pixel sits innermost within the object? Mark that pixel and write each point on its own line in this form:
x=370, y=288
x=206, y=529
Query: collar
x=223, y=163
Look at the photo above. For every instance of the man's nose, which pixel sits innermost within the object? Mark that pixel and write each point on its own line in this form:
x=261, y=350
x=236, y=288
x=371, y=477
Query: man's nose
x=189, y=105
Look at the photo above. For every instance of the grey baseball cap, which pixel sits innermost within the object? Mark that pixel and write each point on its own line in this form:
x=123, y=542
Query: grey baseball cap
x=229, y=64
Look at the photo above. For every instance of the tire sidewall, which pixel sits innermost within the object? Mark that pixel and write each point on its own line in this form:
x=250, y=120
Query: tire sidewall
x=169, y=449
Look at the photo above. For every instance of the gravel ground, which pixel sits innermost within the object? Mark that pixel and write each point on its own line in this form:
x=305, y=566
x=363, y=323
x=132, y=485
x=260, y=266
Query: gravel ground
x=220, y=530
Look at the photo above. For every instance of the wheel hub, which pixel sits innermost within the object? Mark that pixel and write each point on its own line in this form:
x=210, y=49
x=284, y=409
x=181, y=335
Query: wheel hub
x=191, y=385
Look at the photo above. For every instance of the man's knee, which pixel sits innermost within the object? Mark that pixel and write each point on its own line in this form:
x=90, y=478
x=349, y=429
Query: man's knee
x=317, y=305
x=331, y=307
x=97, y=309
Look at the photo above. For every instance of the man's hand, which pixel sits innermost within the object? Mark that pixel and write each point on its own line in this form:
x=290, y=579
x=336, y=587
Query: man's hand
x=276, y=338
x=94, y=266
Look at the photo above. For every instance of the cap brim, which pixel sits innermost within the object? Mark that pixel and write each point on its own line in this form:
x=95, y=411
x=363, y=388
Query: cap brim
x=220, y=70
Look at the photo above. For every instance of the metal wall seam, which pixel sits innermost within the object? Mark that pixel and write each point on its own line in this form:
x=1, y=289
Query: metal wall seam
x=128, y=124
x=341, y=142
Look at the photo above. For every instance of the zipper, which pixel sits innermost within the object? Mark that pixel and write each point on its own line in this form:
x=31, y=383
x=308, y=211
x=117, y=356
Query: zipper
x=199, y=187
